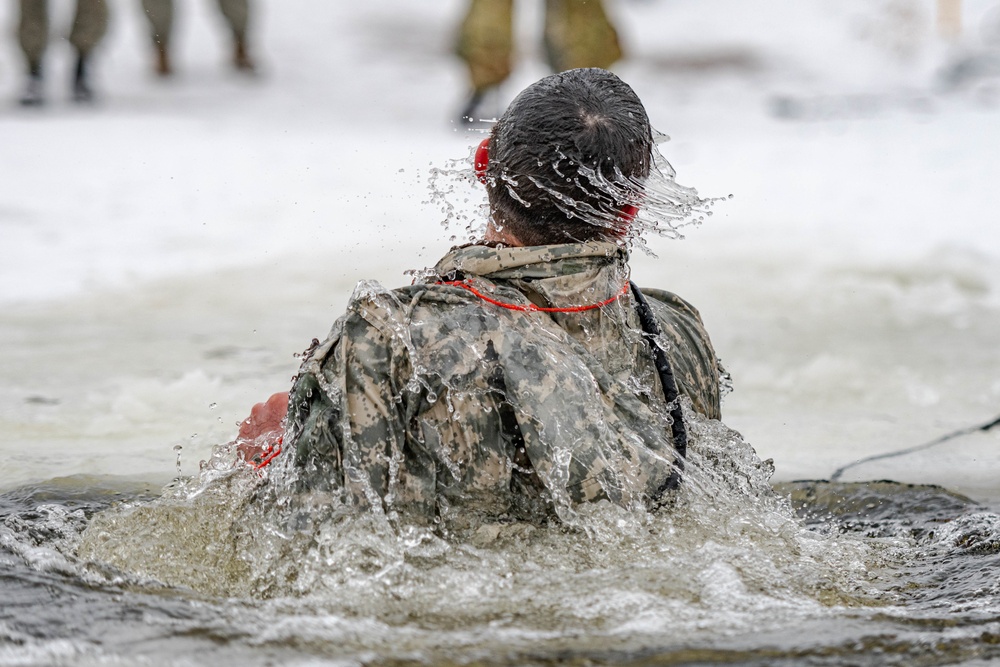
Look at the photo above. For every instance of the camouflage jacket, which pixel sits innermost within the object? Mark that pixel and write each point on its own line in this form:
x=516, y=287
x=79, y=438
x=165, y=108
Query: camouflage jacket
x=457, y=392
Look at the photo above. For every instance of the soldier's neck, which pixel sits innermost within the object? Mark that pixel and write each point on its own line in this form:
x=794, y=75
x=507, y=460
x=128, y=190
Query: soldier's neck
x=500, y=236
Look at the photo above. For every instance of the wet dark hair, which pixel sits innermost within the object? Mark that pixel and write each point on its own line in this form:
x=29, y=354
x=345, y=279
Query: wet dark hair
x=568, y=153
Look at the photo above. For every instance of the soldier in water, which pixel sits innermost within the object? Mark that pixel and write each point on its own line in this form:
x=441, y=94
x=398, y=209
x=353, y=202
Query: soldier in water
x=526, y=374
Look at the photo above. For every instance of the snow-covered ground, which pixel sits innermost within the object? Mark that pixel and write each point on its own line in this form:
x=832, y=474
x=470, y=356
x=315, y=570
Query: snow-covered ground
x=164, y=253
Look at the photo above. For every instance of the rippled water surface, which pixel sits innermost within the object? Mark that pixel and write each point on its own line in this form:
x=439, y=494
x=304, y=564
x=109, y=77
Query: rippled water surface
x=227, y=569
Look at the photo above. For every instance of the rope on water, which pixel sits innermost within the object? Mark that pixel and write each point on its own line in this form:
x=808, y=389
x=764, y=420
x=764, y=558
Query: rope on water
x=909, y=450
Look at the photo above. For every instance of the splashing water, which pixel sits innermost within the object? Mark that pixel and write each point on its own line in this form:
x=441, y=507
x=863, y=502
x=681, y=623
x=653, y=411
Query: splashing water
x=455, y=190
x=880, y=573
x=728, y=546
x=665, y=207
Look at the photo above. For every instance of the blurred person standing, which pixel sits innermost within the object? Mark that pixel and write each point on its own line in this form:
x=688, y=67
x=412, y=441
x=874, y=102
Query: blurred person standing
x=89, y=26
x=577, y=34
x=161, y=19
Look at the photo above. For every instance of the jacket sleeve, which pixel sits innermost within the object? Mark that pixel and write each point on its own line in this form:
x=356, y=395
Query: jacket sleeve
x=348, y=416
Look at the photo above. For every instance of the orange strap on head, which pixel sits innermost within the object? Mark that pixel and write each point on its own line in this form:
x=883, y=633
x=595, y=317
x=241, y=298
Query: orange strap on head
x=482, y=160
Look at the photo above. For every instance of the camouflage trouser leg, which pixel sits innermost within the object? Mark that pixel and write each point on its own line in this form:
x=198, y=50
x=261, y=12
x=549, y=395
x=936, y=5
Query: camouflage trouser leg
x=578, y=33
x=89, y=26
x=486, y=42
x=237, y=13
x=33, y=31
x=161, y=19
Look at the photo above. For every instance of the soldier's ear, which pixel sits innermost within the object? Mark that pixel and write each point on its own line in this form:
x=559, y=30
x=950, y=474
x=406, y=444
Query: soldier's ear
x=626, y=214
x=482, y=160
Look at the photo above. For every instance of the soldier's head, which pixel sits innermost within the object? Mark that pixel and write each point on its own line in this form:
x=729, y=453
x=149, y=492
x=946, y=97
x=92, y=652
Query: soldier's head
x=567, y=159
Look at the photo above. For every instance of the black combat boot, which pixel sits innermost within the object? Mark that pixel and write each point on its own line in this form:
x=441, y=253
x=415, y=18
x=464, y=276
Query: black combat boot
x=82, y=91
x=34, y=90
x=471, y=108
x=482, y=109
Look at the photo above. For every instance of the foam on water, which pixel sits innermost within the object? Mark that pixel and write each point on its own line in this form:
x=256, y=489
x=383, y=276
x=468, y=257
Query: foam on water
x=727, y=549
x=727, y=567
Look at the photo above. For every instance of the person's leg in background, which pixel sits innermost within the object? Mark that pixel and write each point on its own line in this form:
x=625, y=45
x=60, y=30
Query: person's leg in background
x=486, y=44
x=578, y=33
x=89, y=28
x=237, y=14
x=33, y=36
x=160, y=14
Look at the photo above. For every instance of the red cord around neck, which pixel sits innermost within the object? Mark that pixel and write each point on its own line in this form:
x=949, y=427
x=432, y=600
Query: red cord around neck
x=532, y=308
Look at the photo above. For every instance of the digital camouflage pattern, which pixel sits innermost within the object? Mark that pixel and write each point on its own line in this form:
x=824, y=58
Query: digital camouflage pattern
x=428, y=397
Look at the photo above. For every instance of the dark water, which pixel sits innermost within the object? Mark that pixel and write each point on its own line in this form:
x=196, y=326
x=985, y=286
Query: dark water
x=818, y=573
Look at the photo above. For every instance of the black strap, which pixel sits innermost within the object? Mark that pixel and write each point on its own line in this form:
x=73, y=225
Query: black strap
x=650, y=331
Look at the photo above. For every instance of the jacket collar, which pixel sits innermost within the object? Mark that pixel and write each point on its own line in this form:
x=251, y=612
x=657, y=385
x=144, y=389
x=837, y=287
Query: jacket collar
x=528, y=261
